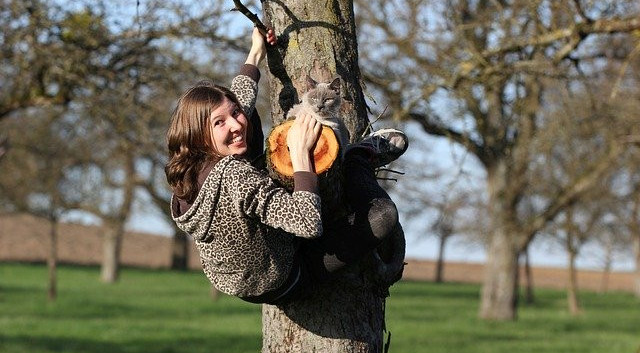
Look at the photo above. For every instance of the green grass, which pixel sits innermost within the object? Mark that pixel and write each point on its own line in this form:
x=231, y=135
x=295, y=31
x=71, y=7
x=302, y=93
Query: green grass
x=165, y=311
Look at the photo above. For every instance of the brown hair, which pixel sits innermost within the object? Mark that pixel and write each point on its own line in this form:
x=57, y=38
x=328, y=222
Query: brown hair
x=188, y=137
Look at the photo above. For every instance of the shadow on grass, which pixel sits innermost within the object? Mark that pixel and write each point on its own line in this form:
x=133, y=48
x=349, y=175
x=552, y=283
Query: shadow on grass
x=46, y=344
x=418, y=289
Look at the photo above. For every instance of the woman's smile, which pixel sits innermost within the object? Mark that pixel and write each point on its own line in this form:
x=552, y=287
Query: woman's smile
x=228, y=128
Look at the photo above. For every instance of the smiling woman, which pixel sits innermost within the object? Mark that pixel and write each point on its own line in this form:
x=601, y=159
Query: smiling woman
x=252, y=234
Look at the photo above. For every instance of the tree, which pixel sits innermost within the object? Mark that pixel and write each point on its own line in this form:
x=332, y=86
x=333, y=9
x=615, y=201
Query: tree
x=114, y=77
x=36, y=174
x=491, y=63
x=347, y=314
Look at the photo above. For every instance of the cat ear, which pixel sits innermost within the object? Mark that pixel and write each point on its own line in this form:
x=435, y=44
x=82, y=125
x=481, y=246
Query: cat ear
x=311, y=83
x=335, y=84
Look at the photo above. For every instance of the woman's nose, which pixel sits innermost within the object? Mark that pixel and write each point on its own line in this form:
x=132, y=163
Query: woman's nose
x=234, y=124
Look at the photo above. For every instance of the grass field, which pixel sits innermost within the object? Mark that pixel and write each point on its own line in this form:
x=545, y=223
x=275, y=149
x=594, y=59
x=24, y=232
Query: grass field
x=163, y=312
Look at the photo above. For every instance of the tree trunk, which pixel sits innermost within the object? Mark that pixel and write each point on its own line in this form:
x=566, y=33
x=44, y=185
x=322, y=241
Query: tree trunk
x=440, y=263
x=636, y=250
x=111, y=255
x=528, y=276
x=498, y=301
x=608, y=263
x=115, y=224
x=318, y=40
x=498, y=298
x=179, y=251
x=572, y=288
x=214, y=294
x=346, y=315
x=52, y=260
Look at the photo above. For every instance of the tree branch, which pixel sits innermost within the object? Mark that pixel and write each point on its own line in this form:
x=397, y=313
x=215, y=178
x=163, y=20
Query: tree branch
x=251, y=16
x=581, y=29
x=580, y=11
x=4, y=145
x=576, y=189
x=441, y=130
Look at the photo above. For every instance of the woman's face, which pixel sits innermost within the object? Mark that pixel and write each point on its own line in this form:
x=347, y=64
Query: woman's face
x=228, y=127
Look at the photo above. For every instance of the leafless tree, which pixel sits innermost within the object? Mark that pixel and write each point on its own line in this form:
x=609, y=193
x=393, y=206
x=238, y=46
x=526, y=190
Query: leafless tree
x=491, y=63
x=34, y=174
x=114, y=76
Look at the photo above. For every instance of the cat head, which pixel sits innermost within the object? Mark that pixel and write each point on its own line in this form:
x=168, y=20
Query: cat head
x=323, y=98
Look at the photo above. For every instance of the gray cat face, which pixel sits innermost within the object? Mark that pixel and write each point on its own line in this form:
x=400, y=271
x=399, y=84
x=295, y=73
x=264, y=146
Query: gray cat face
x=323, y=98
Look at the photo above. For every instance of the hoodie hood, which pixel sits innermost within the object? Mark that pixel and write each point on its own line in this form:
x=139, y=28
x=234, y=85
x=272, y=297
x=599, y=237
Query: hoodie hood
x=188, y=217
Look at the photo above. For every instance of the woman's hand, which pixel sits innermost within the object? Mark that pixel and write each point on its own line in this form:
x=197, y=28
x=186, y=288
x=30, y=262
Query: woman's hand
x=301, y=139
x=258, y=50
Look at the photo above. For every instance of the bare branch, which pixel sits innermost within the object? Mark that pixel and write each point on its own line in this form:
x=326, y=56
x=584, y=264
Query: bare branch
x=574, y=191
x=580, y=11
x=616, y=86
x=4, y=145
x=440, y=130
x=582, y=30
x=251, y=16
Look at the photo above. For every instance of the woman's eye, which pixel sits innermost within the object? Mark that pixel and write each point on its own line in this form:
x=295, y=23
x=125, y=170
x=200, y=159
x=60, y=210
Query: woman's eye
x=217, y=122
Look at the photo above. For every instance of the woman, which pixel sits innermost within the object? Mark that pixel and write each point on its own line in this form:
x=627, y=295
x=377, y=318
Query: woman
x=251, y=234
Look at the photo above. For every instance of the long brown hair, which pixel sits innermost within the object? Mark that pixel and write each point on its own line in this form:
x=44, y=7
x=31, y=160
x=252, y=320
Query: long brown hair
x=188, y=137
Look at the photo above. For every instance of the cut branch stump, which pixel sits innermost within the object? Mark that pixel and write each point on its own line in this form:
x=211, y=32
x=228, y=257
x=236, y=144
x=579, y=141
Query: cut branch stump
x=327, y=163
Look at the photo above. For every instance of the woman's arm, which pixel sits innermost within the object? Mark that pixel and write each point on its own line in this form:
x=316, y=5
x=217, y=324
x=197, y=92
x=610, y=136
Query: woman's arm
x=258, y=49
x=258, y=197
x=245, y=84
x=298, y=213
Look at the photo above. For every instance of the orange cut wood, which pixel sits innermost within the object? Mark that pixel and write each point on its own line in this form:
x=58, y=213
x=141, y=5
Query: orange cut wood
x=325, y=152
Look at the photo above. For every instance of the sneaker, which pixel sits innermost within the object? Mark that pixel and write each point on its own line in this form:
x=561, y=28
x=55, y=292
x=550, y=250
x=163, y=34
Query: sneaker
x=387, y=145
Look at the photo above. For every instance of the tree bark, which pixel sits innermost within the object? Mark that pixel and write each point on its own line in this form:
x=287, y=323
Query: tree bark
x=572, y=288
x=111, y=255
x=440, y=263
x=115, y=223
x=52, y=260
x=606, y=271
x=179, y=250
x=345, y=315
x=498, y=297
x=636, y=250
x=528, y=277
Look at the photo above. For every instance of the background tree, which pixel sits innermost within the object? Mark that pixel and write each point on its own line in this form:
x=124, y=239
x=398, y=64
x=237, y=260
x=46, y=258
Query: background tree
x=35, y=175
x=490, y=63
x=115, y=76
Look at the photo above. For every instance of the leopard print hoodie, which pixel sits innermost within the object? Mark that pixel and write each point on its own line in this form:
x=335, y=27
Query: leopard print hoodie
x=245, y=226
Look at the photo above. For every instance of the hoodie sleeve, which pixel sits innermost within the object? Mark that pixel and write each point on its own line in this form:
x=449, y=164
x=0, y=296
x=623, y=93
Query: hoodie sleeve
x=245, y=87
x=257, y=196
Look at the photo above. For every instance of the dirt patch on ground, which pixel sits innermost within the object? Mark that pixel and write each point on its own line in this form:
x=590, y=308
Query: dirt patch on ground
x=543, y=277
x=24, y=238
